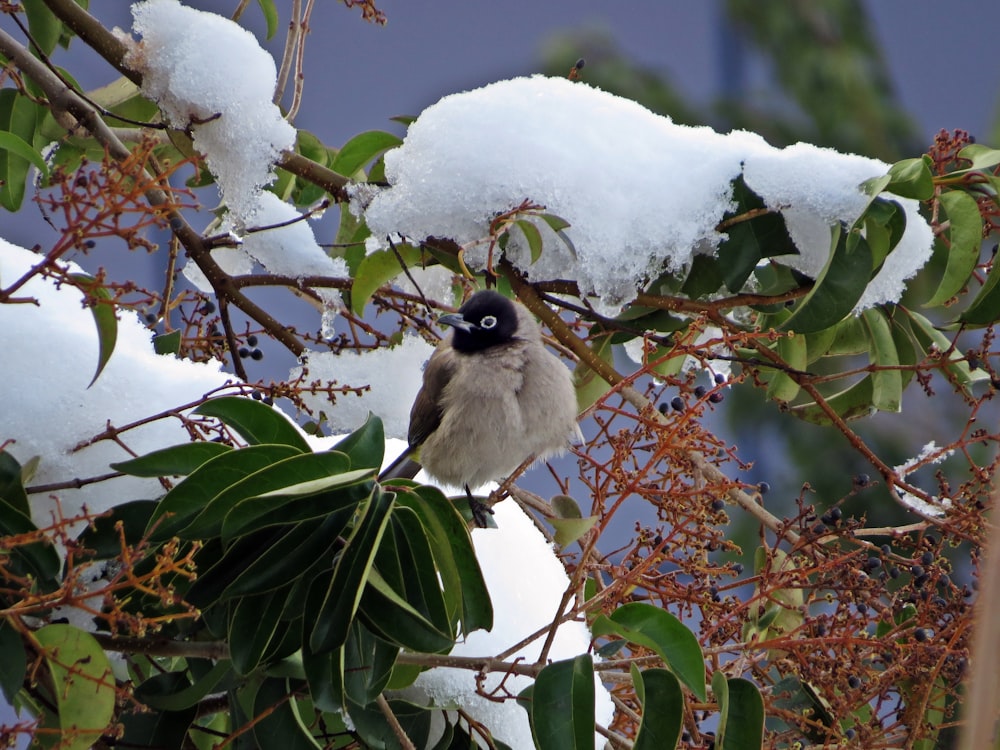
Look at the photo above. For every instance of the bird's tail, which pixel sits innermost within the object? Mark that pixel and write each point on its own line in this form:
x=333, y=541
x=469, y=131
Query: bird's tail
x=404, y=466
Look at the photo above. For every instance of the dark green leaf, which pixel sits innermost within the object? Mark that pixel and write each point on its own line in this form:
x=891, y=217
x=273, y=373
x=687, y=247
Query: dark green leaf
x=38, y=559
x=361, y=149
x=380, y=268
x=368, y=662
x=167, y=343
x=254, y=622
x=374, y=729
x=178, y=460
x=838, y=287
x=98, y=299
x=104, y=539
x=279, y=723
x=289, y=557
x=857, y=400
x=192, y=494
x=44, y=27
x=389, y=615
x=741, y=725
x=934, y=343
x=155, y=729
x=365, y=447
x=331, y=623
x=12, y=484
x=659, y=630
x=256, y=422
x=985, y=308
x=13, y=661
x=965, y=237
x=325, y=674
x=19, y=116
x=911, y=178
x=297, y=476
x=706, y=276
x=662, y=709
x=562, y=705
x=173, y=691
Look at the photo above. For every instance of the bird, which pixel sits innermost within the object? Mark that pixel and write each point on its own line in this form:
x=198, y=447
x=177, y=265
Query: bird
x=492, y=396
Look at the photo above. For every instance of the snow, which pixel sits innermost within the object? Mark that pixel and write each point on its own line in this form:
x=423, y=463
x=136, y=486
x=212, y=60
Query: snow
x=929, y=455
x=394, y=377
x=519, y=610
x=198, y=66
x=641, y=193
x=49, y=357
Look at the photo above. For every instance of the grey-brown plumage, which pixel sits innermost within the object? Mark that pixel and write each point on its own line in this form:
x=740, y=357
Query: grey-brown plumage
x=492, y=396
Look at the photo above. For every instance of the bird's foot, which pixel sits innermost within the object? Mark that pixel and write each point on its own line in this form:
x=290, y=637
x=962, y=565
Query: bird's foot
x=480, y=510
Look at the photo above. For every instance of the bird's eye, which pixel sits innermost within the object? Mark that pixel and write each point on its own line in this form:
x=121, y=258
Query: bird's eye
x=488, y=322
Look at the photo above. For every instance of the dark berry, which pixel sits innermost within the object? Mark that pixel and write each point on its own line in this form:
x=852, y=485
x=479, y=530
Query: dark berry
x=920, y=580
x=251, y=340
x=243, y=352
x=662, y=408
x=150, y=318
x=677, y=403
x=208, y=308
x=916, y=571
x=763, y=488
x=921, y=634
x=738, y=568
x=256, y=396
x=862, y=608
x=718, y=504
x=862, y=480
x=873, y=563
x=854, y=681
x=886, y=549
x=720, y=378
x=256, y=355
x=850, y=734
x=268, y=400
x=699, y=391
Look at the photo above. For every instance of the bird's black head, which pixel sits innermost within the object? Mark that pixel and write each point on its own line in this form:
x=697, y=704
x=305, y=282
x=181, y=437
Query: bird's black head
x=486, y=319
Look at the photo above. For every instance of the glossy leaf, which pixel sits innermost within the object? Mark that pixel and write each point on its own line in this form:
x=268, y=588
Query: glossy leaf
x=368, y=662
x=13, y=661
x=361, y=149
x=178, y=460
x=934, y=343
x=388, y=614
x=659, y=692
x=82, y=685
x=887, y=380
x=532, y=236
x=17, y=146
x=325, y=675
x=659, y=630
x=330, y=624
x=173, y=691
x=982, y=157
x=911, y=178
x=568, y=530
x=838, y=287
x=98, y=299
x=853, y=402
x=154, y=729
x=278, y=722
x=37, y=559
x=167, y=343
x=365, y=447
x=374, y=730
x=562, y=705
x=252, y=625
x=965, y=239
x=741, y=713
x=589, y=385
x=44, y=26
x=192, y=494
x=794, y=352
x=12, y=489
x=18, y=116
x=103, y=536
x=256, y=422
x=378, y=269
x=297, y=476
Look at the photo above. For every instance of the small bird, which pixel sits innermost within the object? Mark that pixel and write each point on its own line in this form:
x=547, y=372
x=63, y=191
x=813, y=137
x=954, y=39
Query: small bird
x=492, y=396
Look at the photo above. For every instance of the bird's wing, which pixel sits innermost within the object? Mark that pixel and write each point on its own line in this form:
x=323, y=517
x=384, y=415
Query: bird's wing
x=425, y=416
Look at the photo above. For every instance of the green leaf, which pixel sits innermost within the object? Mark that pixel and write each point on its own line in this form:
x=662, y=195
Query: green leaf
x=330, y=624
x=103, y=537
x=887, y=381
x=98, y=299
x=365, y=447
x=532, y=236
x=279, y=723
x=151, y=729
x=838, y=287
x=589, y=385
x=289, y=557
x=857, y=400
x=794, y=352
x=12, y=489
x=562, y=705
x=982, y=157
x=173, y=691
x=368, y=663
x=568, y=530
x=965, y=237
x=270, y=16
x=985, y=308
x=192, y=494
x=167, y=343
x=934, y=343
x=178, y=460
x=44, y=27
x=388, y=614
x=82, y=686
x=378, y=269
x=662, y=709
x=741, y=709
x=16, y=145
x=38, y=559
x=911, y=178
x=659, y=630
x=252, y=626
x=361, y=149
x=299, y=475
x=256, y=422
x=13, y=661
x=19, y=116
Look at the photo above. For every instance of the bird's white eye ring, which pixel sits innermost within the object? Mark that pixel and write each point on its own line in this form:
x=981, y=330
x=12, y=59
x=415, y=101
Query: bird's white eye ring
x=488, y=322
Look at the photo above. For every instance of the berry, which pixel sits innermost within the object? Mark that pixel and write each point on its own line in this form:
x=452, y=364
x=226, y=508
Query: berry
x=873, y=563
x=699, y=391
x=720, y=378
x=251, y=340
x=763, y=488
x=243, y=352
x=738, y=568
x=718, y=504
x=677, y=403
x=927, y=558
x=715, y=397
x=922, y=634
x=862, y=480
x=208, y=308
x=854, y=681
x=662, y=408
x=256, y=355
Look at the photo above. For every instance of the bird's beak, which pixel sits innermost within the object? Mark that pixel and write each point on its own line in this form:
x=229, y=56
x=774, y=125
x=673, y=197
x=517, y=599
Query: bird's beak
x=455, y=320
